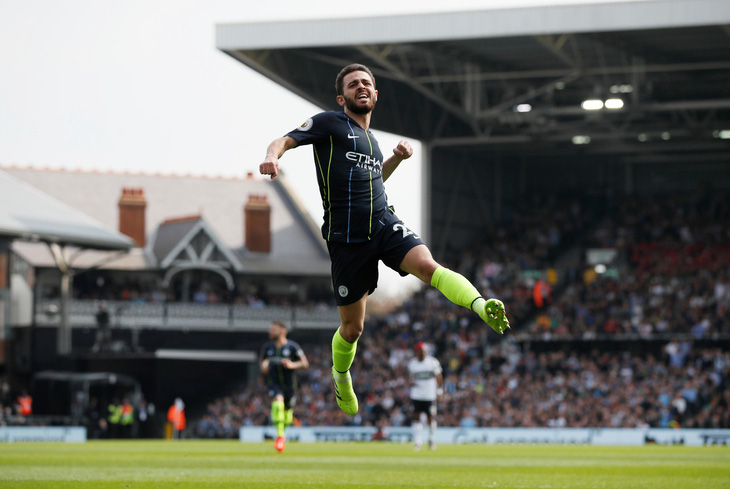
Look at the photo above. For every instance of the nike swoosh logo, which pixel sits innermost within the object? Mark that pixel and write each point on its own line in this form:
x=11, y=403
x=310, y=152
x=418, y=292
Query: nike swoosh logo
x=352, y=136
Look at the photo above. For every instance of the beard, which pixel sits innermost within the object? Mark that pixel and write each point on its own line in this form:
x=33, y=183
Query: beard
x=353, y=107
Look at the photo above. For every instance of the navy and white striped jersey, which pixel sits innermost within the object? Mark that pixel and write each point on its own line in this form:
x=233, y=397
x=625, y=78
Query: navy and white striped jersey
x=349, y=168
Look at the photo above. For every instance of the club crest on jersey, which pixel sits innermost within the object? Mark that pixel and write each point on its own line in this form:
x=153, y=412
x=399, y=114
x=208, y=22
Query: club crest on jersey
x=306, y=125
x=342, y=290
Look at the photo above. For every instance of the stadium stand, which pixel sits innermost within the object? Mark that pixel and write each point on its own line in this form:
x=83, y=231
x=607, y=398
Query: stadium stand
x=640, y=346
x=680, y=386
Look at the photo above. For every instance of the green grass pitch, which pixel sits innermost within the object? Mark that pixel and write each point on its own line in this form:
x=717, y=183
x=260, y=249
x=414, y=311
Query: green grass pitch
x=231, y=464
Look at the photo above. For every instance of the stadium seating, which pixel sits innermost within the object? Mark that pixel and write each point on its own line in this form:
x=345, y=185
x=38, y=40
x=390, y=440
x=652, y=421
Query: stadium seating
x=634, y=348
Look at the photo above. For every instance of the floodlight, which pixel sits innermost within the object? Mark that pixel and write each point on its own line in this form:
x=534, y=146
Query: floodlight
x=592, y=104
x=614, y=103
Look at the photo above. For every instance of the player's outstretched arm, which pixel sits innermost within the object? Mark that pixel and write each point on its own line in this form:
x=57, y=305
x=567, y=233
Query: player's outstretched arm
x=401, y=152
x=276, y=149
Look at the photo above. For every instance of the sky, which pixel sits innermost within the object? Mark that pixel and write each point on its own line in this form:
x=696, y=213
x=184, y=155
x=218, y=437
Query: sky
x=139, y=86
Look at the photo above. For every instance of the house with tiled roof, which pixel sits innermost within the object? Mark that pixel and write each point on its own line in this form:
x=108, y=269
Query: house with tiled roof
x=243, y=242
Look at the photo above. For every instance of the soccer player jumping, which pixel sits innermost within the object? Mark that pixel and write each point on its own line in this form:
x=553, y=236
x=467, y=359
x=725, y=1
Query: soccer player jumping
x=359, y=226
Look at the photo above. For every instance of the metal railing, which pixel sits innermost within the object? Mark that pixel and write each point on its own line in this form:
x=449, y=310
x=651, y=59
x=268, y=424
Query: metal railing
x=188, y=315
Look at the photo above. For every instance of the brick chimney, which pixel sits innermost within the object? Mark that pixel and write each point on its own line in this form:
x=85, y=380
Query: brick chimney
x=132, y=205
x=257, y=224
x=3, y=269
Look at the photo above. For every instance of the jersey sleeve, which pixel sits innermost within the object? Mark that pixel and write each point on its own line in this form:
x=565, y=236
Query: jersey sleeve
x=313, y=130
x=296, y=352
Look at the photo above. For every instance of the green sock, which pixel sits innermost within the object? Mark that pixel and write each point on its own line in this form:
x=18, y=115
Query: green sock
x=288, y=417
x=455, y=287
x=278, y=416
x=343, y=352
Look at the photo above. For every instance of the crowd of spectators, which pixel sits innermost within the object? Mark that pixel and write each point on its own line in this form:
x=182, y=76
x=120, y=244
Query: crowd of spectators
x=673, y=285
x=680, y=386
x=104, y=285
x=676, y=278
x=145, y=293
x=522, y=246
x=693, y=303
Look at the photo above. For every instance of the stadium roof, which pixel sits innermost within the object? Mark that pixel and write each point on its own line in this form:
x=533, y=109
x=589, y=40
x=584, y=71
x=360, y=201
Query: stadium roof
x=468, y=74
x=27, y=213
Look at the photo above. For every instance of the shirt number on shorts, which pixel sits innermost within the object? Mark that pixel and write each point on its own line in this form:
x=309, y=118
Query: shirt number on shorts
x=406, y=232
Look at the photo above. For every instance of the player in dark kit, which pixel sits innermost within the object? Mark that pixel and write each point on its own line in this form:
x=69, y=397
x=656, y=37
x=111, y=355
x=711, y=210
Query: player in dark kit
x=359, y=225
x=279, y=359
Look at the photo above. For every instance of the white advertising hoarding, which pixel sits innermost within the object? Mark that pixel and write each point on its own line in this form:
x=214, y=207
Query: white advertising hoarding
x=562, y=436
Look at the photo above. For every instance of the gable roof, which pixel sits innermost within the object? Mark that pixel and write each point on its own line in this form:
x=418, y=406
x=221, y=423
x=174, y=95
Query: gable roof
x=27, y=213
x=170, y=234
x=176, y=239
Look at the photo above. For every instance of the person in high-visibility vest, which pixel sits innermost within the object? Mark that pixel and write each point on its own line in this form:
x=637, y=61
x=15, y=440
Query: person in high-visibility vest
x=176, y=416
x=126, y=418
x=114, y=418
x=25, y=404
x=541, y=293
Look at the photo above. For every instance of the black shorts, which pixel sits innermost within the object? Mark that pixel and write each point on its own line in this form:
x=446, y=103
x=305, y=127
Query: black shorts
x=427, y=407
x=355, y=265
x=290, y=398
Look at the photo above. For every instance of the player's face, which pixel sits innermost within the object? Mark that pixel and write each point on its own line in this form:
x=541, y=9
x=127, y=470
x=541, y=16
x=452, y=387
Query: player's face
x=275, y=332
x=420, y=353
x=358, y=93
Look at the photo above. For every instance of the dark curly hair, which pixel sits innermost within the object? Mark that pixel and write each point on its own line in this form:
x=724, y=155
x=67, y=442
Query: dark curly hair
x=349, y=69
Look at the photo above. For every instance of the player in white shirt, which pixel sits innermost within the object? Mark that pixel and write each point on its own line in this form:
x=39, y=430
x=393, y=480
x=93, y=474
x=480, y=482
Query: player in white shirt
x=426, y=380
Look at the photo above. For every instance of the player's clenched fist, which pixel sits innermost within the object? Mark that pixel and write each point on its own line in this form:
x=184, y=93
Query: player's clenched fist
x=403, y=150
x=269, y=167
